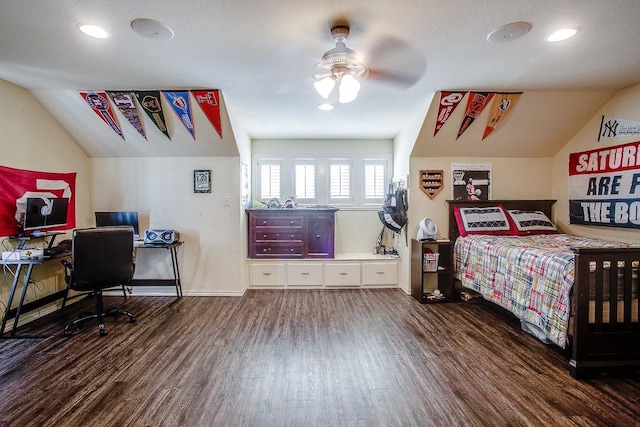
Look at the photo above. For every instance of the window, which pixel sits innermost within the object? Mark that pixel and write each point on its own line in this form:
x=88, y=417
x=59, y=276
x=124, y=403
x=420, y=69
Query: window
x=269, y=181
x=374, y=180
x=337, y=181
x=305, y=181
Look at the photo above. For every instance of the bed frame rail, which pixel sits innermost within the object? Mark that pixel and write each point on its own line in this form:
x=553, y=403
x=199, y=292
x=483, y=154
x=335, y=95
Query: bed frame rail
x=605, y=298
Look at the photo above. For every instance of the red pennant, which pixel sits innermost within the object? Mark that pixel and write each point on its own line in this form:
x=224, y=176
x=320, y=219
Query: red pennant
x=99, y=103
x=208, y=102
x=475, y=104
x=448, y=103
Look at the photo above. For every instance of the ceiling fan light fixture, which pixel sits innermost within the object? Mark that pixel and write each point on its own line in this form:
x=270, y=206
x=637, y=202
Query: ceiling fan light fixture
x=348, y=89
x=325, y=86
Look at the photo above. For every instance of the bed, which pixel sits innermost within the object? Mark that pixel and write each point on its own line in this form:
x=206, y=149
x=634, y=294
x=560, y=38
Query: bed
x=559, y=286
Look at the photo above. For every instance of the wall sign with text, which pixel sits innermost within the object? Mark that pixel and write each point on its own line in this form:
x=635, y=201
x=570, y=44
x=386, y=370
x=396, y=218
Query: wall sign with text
x=604, y=186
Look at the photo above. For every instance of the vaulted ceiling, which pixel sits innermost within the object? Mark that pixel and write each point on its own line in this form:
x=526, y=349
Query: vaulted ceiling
x=262, y=55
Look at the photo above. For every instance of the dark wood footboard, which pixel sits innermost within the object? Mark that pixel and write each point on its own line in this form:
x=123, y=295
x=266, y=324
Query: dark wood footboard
x=606, y=336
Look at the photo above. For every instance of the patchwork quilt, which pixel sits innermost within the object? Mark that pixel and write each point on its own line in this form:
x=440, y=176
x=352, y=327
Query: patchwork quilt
x=531, y=276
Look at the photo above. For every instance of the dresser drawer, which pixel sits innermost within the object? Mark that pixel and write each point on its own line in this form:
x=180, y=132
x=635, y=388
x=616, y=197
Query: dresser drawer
x=299, y=274
x=295, y=222
x=380, y=273
x=282, y=235
x=278, y=250
x=267, y=275
x=342, y=274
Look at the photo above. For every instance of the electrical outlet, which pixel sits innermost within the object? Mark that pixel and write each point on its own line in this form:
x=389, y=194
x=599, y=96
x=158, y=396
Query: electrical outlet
x=227, y=200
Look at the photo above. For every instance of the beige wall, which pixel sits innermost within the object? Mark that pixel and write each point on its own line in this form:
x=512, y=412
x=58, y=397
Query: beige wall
x=625, y=104
x=33, y=139
x=162, y=194
x=511, y=178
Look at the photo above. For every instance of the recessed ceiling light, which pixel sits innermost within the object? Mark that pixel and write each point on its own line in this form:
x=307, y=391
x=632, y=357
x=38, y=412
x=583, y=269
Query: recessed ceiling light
x=562, y=34
x=93, y=31
x=509, y=32
x=325, y=107
x=152, y=29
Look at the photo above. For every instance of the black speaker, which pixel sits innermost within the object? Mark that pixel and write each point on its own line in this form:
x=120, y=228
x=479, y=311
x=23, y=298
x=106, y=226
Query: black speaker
x=161, y=236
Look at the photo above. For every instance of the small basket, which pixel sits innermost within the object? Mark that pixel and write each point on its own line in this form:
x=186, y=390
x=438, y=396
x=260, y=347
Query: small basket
x=431, y=262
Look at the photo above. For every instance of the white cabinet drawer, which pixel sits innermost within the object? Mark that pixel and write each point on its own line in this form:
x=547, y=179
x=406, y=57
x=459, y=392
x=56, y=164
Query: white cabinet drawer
x=342, y=274
x=301, y=274
x=267, y=275
x=380, y=273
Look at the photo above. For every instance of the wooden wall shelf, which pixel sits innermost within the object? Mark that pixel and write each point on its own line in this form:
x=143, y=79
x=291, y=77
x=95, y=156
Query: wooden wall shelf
x=431, y=182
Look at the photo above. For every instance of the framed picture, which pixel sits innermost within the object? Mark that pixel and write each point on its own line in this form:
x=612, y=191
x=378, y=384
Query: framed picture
x=202, y=181
x=471, y=181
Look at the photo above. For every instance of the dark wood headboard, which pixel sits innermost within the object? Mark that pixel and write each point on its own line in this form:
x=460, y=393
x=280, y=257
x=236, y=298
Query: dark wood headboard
x=525, y=205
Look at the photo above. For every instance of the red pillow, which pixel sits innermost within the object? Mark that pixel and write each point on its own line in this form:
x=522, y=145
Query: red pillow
x=491, y=220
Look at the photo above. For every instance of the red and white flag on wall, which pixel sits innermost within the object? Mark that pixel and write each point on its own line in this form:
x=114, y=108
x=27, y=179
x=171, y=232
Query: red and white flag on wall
x=126, y=103
x=208, y=102
x=475, y=105
x=503, y=104
x=16, y=185
x=99, y=103
x=448, y=103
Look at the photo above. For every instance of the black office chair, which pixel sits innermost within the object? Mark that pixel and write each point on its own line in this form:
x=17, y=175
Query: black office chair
x=101, y=258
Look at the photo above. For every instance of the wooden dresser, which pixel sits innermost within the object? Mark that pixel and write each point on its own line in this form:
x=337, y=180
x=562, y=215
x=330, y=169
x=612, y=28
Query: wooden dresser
x=291, y=233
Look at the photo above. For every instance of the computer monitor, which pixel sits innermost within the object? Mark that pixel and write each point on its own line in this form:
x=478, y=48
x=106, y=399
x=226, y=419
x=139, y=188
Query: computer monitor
x=110, y=219
x=45, y=212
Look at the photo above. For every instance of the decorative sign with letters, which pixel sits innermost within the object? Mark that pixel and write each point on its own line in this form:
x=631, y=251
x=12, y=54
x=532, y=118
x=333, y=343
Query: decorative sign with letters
x=604, y=186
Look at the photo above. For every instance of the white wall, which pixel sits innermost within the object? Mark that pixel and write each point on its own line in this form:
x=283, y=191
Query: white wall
x=162, y=193
x=625, y=104
x=33, y=139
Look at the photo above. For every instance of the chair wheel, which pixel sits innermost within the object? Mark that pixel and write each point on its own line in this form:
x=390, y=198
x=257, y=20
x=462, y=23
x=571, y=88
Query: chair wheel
x=132, y=319
x=68, y=333
x=103, y=331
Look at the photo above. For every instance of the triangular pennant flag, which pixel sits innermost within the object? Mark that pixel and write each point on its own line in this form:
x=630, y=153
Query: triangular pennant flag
x=152, y=105
x=99, y=103
x=181, y=104
x=126, y=103
x=475, y=104
x=503, y=104
x=448, y=103
x=208, y=102
x=615, y=127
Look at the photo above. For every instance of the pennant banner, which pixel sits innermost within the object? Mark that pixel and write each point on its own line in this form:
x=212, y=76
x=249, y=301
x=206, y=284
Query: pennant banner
x=208, y=102
x=99, y=103
x=613, y=127
x=16, y=185
x=475, y=105
x=151, y=104
x=448, y=103
x=604, y=186
x=125, y=101
x=181, y=104
x=502, y=105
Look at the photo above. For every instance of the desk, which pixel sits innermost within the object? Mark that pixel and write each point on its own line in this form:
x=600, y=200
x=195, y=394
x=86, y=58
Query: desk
x=175, y=281
x=25, y=267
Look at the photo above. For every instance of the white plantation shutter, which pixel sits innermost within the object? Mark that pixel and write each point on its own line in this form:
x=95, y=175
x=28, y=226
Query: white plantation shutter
x=374, y=180
x=340, y=181
x=270, y=184
x=305, y=181
x=346, y=181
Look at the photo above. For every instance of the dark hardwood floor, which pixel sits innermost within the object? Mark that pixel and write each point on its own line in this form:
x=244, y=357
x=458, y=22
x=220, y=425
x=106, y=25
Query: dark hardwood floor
x=300, y=358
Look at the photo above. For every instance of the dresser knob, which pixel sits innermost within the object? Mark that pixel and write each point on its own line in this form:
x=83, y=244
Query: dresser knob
x=318, y=236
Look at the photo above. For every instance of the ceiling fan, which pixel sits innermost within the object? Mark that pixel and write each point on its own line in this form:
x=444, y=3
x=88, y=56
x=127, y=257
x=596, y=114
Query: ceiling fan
x=392, y=61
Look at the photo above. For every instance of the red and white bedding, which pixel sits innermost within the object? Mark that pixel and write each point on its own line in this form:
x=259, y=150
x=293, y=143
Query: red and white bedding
x=531, y=276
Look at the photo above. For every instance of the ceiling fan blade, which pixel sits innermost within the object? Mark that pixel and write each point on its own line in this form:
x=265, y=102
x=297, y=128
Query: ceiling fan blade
x=396, y=62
